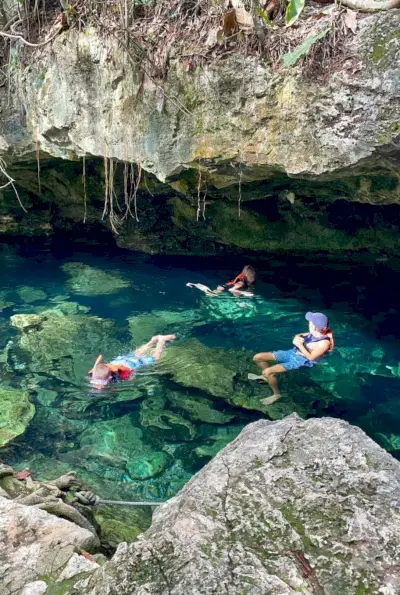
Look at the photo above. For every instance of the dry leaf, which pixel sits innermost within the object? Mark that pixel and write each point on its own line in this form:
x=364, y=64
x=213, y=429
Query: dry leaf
x=350, y=20
x=244, y=19
x=22, y=475
x=186, y=64
x=230, y=22
x=88, y=556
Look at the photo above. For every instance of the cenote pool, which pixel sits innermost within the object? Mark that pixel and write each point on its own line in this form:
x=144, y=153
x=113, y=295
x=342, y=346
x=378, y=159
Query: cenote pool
x=143, y=439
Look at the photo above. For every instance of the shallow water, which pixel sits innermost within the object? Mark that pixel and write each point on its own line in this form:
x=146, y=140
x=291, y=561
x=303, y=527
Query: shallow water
x=143, y=439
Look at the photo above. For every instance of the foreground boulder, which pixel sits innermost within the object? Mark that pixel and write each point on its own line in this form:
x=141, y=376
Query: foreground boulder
x=288, y=507
x=35, y=544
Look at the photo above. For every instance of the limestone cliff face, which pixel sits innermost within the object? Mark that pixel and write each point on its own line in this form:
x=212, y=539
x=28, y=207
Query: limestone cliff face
x=285, y=145
x=288, y=507
x=83, y=96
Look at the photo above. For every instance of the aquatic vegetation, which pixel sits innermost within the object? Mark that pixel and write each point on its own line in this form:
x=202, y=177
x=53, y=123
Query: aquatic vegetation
x=90, y=281
x=16, y=411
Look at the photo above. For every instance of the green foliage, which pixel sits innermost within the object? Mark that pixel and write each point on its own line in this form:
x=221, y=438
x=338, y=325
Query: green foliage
x=265, y=17
x=293, y=11
x=302, y=50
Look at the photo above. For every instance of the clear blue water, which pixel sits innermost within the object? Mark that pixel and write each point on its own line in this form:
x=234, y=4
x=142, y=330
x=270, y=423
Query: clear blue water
x=144, y=438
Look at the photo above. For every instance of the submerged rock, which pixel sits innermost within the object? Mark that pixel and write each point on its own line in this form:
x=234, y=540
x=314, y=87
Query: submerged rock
x=90, y=281
x=161, y=421
x=144, y=326
x=118, y=445
x=209, y=369
x=289, y=506
x=29, y=294
x=121, y=523
x=64, y=345
x=217, y=441
x=5, y=301
x=150, y=465
x=198, y=408
x=16, y=411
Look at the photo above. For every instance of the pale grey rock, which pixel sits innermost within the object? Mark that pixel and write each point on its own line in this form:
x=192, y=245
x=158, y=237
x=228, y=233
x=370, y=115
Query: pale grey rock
x=35, y=544
x=320, y=489
x=77, y=564
x=35, y=588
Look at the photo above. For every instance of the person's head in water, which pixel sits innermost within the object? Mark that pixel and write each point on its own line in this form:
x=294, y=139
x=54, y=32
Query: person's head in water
x=318, y=324
x=249, y=274
x=101, y=375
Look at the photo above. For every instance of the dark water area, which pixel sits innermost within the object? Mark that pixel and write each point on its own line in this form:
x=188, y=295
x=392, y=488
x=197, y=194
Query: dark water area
x=145, y=438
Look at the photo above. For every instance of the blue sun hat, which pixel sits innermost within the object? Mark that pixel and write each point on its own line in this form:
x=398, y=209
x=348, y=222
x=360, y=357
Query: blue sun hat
x=319, y=320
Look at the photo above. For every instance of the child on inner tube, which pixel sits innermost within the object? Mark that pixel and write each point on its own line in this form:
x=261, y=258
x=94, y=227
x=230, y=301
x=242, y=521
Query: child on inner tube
x=240, y=285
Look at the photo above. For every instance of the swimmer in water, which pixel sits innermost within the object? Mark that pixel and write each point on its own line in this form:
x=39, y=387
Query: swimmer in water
x=241, y=285
x=124, y=367
x=308, y=349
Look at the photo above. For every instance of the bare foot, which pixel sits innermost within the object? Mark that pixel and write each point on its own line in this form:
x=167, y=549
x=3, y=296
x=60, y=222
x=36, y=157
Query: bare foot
x=270, y=400
x=251, y=376
x=167, y=337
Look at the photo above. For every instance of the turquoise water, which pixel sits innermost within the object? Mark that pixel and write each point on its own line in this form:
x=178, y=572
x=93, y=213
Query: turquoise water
x=144, y=438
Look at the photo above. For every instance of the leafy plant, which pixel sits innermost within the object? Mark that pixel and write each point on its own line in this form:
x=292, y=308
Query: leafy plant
x=293, y=11
x=264, y=17
x=291, y=58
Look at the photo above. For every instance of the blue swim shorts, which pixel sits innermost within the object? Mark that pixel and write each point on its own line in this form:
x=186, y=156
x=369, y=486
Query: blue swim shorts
x=291, y=360
x=132, y=361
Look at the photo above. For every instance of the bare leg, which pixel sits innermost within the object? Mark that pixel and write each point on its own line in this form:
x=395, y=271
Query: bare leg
x=161, y=340
x=269, y=375
x=263, y=360
x=144, y=348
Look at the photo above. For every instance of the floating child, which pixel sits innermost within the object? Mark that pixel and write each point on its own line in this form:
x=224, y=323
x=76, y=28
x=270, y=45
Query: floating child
x=124, y=367
x=241, y=285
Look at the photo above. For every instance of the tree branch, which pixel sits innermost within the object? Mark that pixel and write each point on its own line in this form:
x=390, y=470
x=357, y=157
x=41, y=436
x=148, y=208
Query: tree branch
x=28, y=43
